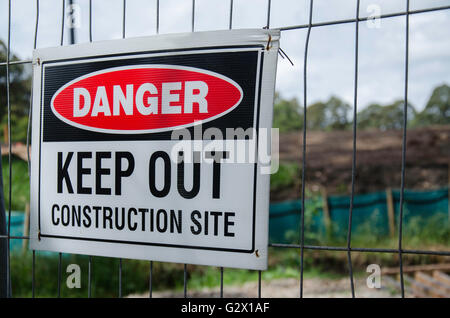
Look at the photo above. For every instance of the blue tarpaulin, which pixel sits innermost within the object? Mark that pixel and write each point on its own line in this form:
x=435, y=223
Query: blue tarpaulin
x=285, y=216
x=372, y=207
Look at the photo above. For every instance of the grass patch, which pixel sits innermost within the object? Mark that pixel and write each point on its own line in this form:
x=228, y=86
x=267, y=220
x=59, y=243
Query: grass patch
x=20, y=190
x=285, y=176
x=135, y=274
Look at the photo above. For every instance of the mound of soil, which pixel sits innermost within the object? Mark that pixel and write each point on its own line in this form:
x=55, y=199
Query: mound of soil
x=378, y=160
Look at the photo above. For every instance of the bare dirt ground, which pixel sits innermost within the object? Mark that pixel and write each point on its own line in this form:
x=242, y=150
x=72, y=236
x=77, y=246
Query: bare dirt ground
x=374, y=147
x=378, y=160
x=288, y=288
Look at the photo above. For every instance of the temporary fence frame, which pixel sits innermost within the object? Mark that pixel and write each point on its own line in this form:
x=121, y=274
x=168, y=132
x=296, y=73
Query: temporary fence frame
x=5, y=289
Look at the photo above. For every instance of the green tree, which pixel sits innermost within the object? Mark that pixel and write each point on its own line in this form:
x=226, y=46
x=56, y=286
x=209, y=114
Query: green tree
x=385, y=117
x=437, y=110
x=19, y=95
x=287, y=114
x=331, y=115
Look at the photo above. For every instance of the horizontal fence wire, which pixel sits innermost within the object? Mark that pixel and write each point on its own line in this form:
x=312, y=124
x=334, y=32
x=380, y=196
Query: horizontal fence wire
x=302, y=246
x=285, y=28
x=345, y=21
x=359, y=249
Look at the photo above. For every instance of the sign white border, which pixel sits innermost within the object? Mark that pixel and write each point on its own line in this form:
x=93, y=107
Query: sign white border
x=267, y=40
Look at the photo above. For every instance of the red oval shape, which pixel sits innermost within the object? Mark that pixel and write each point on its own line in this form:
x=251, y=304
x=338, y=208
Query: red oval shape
x=145, y=98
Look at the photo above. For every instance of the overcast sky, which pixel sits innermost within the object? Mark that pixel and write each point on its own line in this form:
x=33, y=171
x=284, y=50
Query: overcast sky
x=331, y=54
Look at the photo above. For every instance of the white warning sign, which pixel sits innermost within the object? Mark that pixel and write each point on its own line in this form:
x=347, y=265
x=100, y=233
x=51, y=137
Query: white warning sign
x=155, y=148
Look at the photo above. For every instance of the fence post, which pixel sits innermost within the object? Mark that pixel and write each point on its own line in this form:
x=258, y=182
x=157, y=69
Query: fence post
x=390, y=211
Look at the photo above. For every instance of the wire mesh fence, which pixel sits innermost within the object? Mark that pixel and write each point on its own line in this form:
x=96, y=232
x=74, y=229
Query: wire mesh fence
x=348, y=248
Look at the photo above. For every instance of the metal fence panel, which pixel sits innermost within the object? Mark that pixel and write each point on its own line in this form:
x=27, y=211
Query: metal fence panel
x=5, y=237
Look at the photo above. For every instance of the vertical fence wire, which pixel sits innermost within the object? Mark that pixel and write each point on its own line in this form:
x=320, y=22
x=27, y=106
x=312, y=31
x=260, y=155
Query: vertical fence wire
x=221, y=282
x=120, y=278
x=193, y=16
x=185, y=271
x=31, y=94
x=230, y=26
x=59, y=274
x=123, y=37
x=36, y=28
x=404, y=132
x=269, y=7
x=150, y=283
x=259, y=284
x=230, y=23
x=63, y=13
x=33, y=277
x=8, y=104
x=305, y=100
x=90, y=277
x=90, y=257
x=157, y=16
x=185, y=278
x=124, y=18
x=72, y=39
x=354, y=127
x=90, y=20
